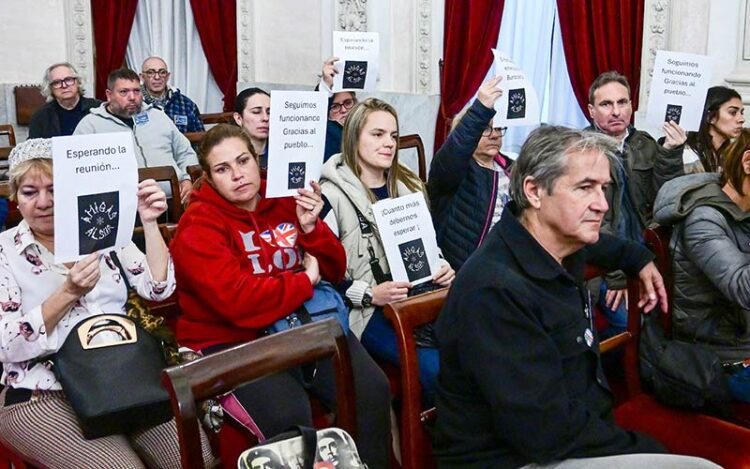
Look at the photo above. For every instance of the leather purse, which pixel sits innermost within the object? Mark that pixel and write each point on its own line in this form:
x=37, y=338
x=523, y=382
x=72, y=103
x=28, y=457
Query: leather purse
x=110, y=370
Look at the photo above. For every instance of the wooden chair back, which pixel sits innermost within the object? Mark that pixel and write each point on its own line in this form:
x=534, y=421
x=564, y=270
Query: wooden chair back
x=9, y=132
x=28, y=99
x=166, y=174
x=658, y=239
x=195, y=171
x=218, y=118
x=415, y=141
x=195, y=138
x=416, y=447
x=216, y=374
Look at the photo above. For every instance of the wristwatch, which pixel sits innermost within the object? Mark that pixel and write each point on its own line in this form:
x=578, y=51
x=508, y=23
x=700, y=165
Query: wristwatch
x=367, y=298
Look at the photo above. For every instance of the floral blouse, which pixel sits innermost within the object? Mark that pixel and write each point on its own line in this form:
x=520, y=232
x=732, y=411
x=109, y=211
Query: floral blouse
x=28, y=276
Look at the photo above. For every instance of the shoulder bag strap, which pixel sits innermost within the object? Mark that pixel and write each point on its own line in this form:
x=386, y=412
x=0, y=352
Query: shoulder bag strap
x=365, y=227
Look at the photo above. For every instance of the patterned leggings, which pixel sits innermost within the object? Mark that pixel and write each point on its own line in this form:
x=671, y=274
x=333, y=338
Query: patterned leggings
x=45, y=432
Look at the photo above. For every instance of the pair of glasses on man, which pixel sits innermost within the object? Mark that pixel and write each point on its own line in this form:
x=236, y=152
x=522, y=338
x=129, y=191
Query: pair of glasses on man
x=488, y=131
x=346, y=104
x=67, y=81
x=152, y=73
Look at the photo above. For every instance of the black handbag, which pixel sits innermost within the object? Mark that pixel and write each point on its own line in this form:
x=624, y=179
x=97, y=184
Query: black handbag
x=114, y=386
x=682, y=374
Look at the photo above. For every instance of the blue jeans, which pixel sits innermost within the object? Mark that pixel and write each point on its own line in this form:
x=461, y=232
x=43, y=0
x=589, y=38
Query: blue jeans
x=739, y=385
x=379, y=338
x=618, y=319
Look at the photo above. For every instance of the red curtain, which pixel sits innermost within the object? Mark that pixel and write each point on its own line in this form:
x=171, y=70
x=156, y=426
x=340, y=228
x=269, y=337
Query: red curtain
x=598, y=36
x=471, y=29
x=113, y=21
x=216, y=21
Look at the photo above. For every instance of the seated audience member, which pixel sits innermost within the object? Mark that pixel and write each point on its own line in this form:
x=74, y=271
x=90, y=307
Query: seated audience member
x=244, y=261
x=646, y=165
x=181, y=109
x=252, y=109
x=157, y=141
x=42, y=301
x=66, y=104
x=469, y=178
x=710, y=214
x=367, y=170
x=723, y=117
x=339, y=105
x=521, y=382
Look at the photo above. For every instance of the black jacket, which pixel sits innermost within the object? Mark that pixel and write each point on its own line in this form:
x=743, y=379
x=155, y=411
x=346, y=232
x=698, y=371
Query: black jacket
x=462, y=193
x=45, y=123
x=520, y=373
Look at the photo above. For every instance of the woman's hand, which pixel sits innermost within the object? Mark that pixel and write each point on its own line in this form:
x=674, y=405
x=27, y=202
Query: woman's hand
x=309, y=205
x=83, y=276
x=445, y=275
x=152, y=201
x=312, y=269
x=388, y=292
x=489, y=92
x=329, y=71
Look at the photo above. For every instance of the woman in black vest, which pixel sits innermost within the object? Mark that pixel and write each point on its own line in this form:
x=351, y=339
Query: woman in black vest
x=469, y=178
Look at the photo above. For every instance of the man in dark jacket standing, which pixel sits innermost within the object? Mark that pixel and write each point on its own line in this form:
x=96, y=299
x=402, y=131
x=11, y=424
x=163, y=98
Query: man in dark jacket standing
x=66, y=105
x=520, y=378
x=645, y=167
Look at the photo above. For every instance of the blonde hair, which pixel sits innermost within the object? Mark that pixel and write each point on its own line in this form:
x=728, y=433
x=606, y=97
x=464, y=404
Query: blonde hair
x=353, y=126
x=16, y=174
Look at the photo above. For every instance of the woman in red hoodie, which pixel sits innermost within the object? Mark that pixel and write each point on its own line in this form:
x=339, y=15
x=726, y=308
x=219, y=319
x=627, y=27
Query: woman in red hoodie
x=243, y=261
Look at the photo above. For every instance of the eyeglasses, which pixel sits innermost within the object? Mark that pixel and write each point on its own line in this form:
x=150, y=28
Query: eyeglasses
x=488, y=131
x=67, y=81
x=151, y=73
x=346, y=104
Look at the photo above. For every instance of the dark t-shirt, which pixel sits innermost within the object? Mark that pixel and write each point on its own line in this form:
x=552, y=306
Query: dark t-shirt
x=69, y=118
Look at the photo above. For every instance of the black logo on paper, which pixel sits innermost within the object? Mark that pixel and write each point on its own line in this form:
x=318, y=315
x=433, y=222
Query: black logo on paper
x=296, y=176
x=98, y=217
x=415, y=259
x=517, y=103
x=355, y=74
x=674, y=112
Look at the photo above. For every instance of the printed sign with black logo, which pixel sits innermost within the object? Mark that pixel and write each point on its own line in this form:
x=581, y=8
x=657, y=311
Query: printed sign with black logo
x=296, y=177
x=98, y=217
x=674, y=112
x=415, y=259
x=355, y=74
x=517, y=103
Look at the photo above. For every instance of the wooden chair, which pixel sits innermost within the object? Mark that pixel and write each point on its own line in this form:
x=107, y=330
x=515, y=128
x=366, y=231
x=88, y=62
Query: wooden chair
x=681, y=431
x=415, y=141
x=166, y=174
x=416, y=447
x=9, y=131
x=218, y=118
x=195, y=138
x=195, y=171
x=28, y=99
x=222, y=372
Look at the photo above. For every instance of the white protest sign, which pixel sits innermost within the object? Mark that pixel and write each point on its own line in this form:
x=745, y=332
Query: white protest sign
x=519, y=104
x=408, y=237
x=359, y=55
x=95, y=183
x=678, y=89
x=296, y=140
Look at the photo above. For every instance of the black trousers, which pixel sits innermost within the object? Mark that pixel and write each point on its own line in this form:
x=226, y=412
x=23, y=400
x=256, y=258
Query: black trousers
x=278, y=402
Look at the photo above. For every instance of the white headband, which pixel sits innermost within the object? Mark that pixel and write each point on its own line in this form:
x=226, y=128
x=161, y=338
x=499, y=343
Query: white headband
x=31, y=149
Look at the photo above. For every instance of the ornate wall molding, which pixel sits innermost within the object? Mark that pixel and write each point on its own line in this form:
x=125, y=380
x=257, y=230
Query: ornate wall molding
x=352, y=15
x=80, y=40
x=424, y=47
x=739, y=78
x=655, y=37
x=245, y=72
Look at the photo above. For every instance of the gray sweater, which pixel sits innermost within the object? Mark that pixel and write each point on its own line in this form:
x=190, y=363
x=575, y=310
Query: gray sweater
x=711, y=260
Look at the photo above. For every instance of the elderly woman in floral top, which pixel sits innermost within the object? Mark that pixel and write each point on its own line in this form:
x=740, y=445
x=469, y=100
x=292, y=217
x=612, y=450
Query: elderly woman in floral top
x=41, y=301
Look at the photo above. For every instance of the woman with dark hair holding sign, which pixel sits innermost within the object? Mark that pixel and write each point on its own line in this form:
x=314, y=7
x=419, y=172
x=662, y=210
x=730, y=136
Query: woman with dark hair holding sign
x=42, y=301
x=243, y=262
x=367, y=170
